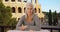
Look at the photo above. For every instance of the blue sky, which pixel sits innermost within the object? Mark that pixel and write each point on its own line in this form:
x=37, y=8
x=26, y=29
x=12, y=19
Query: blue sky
x=50, y=4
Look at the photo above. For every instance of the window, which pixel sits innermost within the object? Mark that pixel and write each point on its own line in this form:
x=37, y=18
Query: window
x=24, y=9
x=18, y=18
x=13, y=0
x=19, y=0
x=19, y=10
x=13, y=9
x=39, y=10
x=35, y=10
x=25, y=0
x=6, y=0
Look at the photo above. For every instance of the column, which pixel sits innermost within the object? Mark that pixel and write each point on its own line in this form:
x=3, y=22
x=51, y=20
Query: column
x=37, y=8
x=23, y=9
x=16, y=9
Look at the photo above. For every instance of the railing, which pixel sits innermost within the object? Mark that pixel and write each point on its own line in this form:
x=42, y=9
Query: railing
x=2, y=28
x=51, y=28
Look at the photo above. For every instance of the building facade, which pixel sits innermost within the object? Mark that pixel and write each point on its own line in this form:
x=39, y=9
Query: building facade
x=19, y=6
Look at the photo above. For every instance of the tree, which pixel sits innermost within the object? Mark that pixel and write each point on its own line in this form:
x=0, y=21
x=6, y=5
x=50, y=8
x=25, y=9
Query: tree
x=55, y=19
x=12, y=22
x=5, y=14
x=50, y=17
x=6, y=17
x=1, y=10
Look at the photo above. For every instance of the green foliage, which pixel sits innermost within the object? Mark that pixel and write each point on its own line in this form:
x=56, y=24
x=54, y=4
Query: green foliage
x=50, y=17
x=55, y=19
x=12, y=22
x=2, y=8
x=5, y=16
